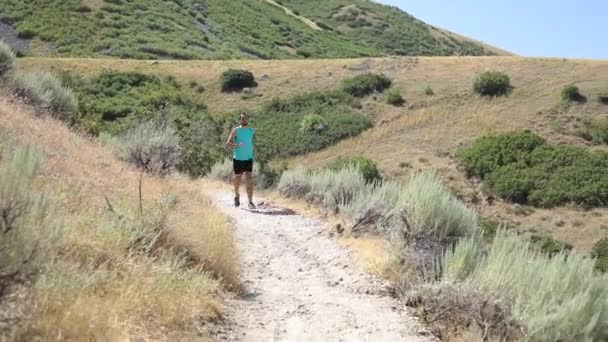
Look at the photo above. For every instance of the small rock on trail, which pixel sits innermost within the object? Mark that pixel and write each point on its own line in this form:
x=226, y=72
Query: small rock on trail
x=300, y=285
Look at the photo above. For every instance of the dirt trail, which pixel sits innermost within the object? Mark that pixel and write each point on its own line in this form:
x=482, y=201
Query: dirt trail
x=303, y=286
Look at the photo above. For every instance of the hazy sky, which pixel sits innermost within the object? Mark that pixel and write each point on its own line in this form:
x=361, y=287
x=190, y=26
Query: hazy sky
x=548, y=28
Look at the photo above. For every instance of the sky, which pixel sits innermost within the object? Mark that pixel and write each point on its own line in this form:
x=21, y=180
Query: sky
x=533, y=28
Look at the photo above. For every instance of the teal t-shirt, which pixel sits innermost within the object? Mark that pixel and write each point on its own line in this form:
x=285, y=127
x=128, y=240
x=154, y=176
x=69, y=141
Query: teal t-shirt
x=244, y=143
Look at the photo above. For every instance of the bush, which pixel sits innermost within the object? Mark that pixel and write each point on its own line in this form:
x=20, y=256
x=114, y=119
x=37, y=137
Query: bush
x=295, y=183
x=600, y=248
x=7, y=60
x=312, y=123
x=522, y=168
x=432, y=211
x=279, y=123
x=570, y=93
x=366, y=84
x=595, y=130
x=429, y=91
x=22, y=214
x=394, y=98
x=489, y=153
x=492, y=83
x=364, y=165
x=235, y=80
x=152, y=147
x=549, y=246
x=603, y=99
x=556, y=298
x=449, y=308
x=46, y=90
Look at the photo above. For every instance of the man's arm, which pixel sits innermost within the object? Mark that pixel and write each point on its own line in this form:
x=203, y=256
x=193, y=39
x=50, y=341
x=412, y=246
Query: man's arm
x=230, y=142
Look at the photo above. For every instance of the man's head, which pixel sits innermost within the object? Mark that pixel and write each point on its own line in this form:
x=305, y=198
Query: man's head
x=244, y=119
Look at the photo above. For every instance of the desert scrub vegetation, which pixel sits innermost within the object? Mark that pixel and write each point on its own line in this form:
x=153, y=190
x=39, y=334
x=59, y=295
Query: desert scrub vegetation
x=7, y=60
x=236, y=80
x=571, y=93
x=367, y=167
x=600, y=252
x=46, y=90
x=119, y=103
x=492, y=83
x=393, y=97
x=555, y=298
x=23, y=211
x=595, y=130
x=523, y=168
x=278, y=123
x=152, y=147
x=365, y=84
x=384, y=207
x=111, y=261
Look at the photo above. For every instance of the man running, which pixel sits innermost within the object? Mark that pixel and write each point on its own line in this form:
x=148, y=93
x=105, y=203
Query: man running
x=241, y=142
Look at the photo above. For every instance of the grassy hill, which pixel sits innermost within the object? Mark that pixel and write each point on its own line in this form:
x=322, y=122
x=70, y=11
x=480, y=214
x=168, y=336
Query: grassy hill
x=216, y=29
x=428, y=130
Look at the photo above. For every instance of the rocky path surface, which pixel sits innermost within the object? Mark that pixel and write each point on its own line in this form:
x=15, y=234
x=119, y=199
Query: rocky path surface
x=301, y=285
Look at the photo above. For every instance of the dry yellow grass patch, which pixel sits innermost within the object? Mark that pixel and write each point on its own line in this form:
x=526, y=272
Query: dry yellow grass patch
x=377, y=255
x=109, y=278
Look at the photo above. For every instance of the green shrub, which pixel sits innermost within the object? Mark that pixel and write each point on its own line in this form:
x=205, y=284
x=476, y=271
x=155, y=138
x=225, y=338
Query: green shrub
x=595, y=130
x=549, y=246
x=235, y=80
x=366, y=167
x=522, y=168
x=393, y=97
x=366, y=84
x=312, y=123
x=492, y=83
x=600, y=248
x=556, y=298
x=603, y=99
x=601, y=264
x=570, y=93
x=23, y=213
x=489, y=153
x=152, y=147
x=278, y=123
x=46, y=90
x=429, y=91
x=7, y=60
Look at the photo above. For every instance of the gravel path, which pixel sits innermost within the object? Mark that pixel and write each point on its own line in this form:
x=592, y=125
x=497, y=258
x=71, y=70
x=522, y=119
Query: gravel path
x=301, y=285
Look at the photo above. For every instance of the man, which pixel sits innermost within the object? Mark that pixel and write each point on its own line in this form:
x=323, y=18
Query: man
x=241, y=142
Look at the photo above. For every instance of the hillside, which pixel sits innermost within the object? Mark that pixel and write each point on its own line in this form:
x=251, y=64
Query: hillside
x=95, y=257
x=428, y=130
x=217, y=29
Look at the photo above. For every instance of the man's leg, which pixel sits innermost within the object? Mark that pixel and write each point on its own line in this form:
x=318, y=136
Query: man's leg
x=237, y=187
x=249, y=178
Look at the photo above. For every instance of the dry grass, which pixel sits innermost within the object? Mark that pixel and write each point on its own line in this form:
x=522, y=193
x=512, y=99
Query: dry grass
x=101, y=284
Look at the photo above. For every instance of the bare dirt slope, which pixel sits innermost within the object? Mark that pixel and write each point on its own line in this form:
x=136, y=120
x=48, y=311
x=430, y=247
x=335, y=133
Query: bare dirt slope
x=302, y=285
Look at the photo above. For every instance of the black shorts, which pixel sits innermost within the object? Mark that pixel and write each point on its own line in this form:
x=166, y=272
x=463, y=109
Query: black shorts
x=240, y=166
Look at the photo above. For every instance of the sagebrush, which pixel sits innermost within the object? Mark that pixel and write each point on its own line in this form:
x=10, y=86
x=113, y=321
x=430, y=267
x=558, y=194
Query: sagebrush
x=7, y=60
x=46, y=90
